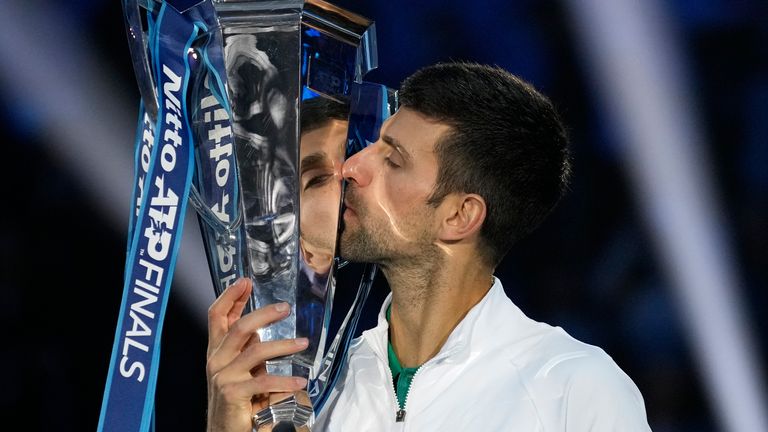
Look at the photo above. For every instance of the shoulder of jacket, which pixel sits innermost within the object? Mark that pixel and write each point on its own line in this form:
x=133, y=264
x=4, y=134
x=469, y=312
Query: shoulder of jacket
x=562, y=364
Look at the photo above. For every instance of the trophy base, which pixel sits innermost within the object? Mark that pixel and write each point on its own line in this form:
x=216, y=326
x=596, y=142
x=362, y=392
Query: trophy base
x=284, y=427
x=288, y=415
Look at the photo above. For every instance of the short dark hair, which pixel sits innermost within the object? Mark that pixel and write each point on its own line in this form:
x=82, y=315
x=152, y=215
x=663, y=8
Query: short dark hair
x=507, y=144
x=318, y=111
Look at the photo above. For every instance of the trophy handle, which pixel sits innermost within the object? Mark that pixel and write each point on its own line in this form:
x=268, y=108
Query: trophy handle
x=137, y=43
x=227, y=230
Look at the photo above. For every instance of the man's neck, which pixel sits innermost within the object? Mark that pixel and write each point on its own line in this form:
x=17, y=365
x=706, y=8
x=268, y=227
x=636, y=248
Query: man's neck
x=428, y=302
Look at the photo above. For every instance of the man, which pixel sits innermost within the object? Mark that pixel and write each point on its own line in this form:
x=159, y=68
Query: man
x=474, y=159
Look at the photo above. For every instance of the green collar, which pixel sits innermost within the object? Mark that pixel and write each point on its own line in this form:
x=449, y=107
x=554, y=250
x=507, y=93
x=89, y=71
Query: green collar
x=402, y=376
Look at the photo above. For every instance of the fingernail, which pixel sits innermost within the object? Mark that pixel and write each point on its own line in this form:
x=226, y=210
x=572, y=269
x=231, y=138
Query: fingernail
x=281, y=307
x=302, y=382
x=301, y=341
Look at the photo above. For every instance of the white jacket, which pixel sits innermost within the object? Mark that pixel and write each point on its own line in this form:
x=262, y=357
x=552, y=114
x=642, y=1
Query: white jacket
x=498, y=371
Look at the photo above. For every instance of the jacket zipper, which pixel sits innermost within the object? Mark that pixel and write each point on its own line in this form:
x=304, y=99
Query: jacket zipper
x=400, y=414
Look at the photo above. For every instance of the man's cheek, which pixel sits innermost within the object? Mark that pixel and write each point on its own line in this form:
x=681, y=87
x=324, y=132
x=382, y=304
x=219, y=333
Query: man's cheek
x=308, y=213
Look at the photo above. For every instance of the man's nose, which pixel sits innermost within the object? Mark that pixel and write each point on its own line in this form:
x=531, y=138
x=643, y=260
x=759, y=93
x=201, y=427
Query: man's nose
x=357, y=168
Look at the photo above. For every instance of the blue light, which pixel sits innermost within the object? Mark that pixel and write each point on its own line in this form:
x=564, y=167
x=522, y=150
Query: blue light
x=306, y=94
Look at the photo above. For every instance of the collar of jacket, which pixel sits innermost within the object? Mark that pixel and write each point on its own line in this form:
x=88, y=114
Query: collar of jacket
x=470, y=331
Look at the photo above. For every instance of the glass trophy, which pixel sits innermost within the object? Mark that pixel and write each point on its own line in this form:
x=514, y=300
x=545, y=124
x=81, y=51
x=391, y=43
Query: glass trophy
x=276, y=101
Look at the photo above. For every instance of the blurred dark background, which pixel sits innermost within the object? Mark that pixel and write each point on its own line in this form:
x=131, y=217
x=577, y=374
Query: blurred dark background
x=597, y=266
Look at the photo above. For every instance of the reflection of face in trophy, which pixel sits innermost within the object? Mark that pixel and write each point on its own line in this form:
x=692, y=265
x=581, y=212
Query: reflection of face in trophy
x=324, y=132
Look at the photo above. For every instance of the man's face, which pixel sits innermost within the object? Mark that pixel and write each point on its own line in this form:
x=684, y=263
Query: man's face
x=322, y=153
x=389, y=182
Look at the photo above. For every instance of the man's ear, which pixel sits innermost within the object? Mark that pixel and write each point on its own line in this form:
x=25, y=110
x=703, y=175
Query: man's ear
x=465, y=216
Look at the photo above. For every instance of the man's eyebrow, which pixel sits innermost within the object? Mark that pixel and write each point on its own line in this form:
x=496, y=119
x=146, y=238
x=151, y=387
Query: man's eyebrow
x=312, y=161
x=396, y=144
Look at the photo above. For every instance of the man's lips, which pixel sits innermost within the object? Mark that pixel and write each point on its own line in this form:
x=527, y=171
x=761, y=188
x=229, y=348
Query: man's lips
x=349, y=210
x=350, y=201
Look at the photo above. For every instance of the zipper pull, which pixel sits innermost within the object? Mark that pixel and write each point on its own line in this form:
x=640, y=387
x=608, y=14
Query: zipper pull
x=400, y=415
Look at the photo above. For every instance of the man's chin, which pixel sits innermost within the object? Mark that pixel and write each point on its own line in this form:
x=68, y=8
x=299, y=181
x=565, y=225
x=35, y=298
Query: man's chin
x=353, y=248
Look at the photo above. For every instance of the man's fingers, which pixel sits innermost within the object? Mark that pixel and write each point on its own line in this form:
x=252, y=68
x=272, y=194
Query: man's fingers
x=257, y=354
x=250, y=362
x=263, y=385
x=239, y=305
x=236, y=295
x=241, y=332
x=257, y=388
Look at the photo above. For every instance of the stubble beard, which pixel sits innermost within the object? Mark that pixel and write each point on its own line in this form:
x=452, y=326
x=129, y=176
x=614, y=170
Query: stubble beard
x=369, y=240
x=373, y=240
x=361, y=244
x=410, y=269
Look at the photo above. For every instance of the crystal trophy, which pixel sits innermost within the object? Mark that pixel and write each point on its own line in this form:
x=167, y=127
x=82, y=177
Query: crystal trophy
x=276, y=101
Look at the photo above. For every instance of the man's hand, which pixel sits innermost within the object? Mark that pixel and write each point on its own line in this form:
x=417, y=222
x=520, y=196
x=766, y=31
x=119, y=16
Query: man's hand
x=238, y=385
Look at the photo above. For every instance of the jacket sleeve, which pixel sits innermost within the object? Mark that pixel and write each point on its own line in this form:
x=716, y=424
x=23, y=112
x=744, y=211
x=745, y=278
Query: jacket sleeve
x=600, y=397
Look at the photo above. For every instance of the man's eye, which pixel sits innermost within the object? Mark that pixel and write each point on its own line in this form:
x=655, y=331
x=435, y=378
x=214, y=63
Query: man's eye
x=318, y=181
x=390, y=163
